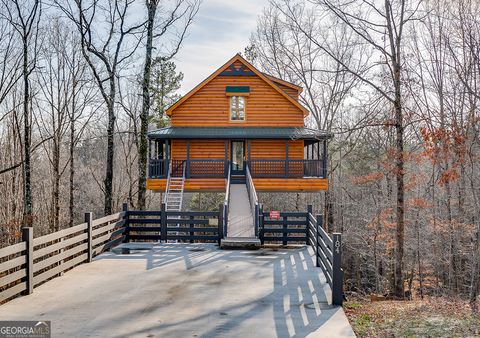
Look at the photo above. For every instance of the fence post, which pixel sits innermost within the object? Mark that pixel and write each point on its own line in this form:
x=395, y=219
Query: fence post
x=256, y=219
x=317, y=226
x=261, y=225
x=337, y=278
x=163, y=224
x=220, y=222
x=307, y=226
x=191, y=225
x=88, y=220
x=125, y=217
x=225, y=220
x=285, y=227
x=27, y=237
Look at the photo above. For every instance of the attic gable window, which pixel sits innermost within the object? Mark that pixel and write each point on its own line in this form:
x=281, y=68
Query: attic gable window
x=237, y=96
x=237, y=108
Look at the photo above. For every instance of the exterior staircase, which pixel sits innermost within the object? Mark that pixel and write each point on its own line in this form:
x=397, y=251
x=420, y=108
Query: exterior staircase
x=174, y=192
x=241, y=228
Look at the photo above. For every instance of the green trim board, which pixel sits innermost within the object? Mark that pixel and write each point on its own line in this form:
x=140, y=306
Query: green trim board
x=237, y=89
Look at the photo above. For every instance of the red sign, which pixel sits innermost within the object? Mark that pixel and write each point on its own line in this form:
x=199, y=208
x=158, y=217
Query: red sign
x=274, y=214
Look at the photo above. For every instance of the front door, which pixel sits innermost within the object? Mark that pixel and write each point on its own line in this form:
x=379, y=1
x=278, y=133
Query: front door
x=238, y=157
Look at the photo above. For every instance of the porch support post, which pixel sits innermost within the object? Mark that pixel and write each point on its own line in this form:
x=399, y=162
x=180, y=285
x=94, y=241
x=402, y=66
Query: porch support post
x=226, y=159
x=286, y=158
x=324, y=164
x=249, y=152
x=187, y=169
x=308, y=151
x=167, y=156
x=150, y=157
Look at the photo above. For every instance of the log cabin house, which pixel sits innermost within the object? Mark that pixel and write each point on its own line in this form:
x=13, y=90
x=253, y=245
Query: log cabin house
x=239, y=131
x=237, y=120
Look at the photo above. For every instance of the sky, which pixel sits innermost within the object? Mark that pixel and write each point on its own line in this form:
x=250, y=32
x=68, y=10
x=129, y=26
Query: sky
x=221, y=29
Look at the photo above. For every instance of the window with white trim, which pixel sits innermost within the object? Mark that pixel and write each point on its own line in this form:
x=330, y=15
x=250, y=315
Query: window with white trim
x=237, y=108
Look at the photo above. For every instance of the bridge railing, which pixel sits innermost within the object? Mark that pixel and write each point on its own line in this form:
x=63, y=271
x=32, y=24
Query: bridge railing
x=34, y=261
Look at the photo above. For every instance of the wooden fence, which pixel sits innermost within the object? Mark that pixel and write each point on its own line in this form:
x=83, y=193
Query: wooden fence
x=33, y=261
x=303, y=227
x=162, y=225
x=328, y=255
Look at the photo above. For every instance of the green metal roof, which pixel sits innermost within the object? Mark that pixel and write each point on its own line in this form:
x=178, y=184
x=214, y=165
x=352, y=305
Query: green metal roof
x=237, y=132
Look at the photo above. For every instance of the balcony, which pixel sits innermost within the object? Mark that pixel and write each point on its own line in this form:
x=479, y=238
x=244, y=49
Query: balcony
x=259, y=168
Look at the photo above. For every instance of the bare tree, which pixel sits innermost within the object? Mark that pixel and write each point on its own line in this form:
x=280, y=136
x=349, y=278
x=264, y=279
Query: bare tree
x=183, y=11
x=380, y=25
x=105, y=54
x=25, y=18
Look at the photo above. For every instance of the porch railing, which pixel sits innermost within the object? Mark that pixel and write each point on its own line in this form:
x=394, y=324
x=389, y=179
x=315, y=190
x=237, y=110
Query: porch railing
x=287, y=168
x=157, y=168
x=218, y=168
x=206, y=168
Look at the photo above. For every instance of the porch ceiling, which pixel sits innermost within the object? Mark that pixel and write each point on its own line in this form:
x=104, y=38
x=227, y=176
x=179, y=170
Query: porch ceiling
x=238, y=133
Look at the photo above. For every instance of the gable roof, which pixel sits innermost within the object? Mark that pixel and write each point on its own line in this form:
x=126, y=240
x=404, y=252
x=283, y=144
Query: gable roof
x=284, y=82
x=237, y=57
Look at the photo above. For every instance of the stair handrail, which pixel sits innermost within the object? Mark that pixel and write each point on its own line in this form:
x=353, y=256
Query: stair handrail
x=168, y=183
x=226, y=202
x=252, y=196
x=183, y=185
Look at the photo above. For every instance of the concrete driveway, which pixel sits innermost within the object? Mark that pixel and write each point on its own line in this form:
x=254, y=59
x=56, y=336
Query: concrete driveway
x=188, y=290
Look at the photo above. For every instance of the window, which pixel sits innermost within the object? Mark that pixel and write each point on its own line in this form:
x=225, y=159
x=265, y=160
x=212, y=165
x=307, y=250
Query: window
x=237, y=108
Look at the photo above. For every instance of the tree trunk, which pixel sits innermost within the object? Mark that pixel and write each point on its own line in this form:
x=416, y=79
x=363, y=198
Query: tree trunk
x=400, y=174
x=110, y=149
x=143, y=151
x=28, y=204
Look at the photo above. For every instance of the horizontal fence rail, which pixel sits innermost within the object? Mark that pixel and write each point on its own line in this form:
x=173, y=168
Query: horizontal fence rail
x=290, y=228
x=34, y=261
x=189, y=226
x=328, y=255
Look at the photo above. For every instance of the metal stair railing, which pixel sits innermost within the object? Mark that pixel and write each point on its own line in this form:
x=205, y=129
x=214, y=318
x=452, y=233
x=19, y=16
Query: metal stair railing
x=253, y=198
x=226, y=203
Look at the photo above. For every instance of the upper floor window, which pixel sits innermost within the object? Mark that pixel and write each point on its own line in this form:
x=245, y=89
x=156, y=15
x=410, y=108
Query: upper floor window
x=237, y=108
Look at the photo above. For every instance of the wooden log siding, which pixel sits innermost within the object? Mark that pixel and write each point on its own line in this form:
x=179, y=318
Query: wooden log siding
x=265, y=107
x=56, y=253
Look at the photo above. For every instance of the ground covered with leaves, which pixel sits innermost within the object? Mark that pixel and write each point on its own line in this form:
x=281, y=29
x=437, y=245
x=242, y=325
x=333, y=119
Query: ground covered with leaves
x=431, y=317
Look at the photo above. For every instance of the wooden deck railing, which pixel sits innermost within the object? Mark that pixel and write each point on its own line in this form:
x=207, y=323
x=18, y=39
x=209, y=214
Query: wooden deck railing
x=303, y=227
x=187, y=226
x=33, y=261
x=286, y=168
x=328, y=255
x=157, y=168
x=218, y=168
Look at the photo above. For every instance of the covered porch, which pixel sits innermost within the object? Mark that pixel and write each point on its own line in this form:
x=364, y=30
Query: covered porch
x=287, y=153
